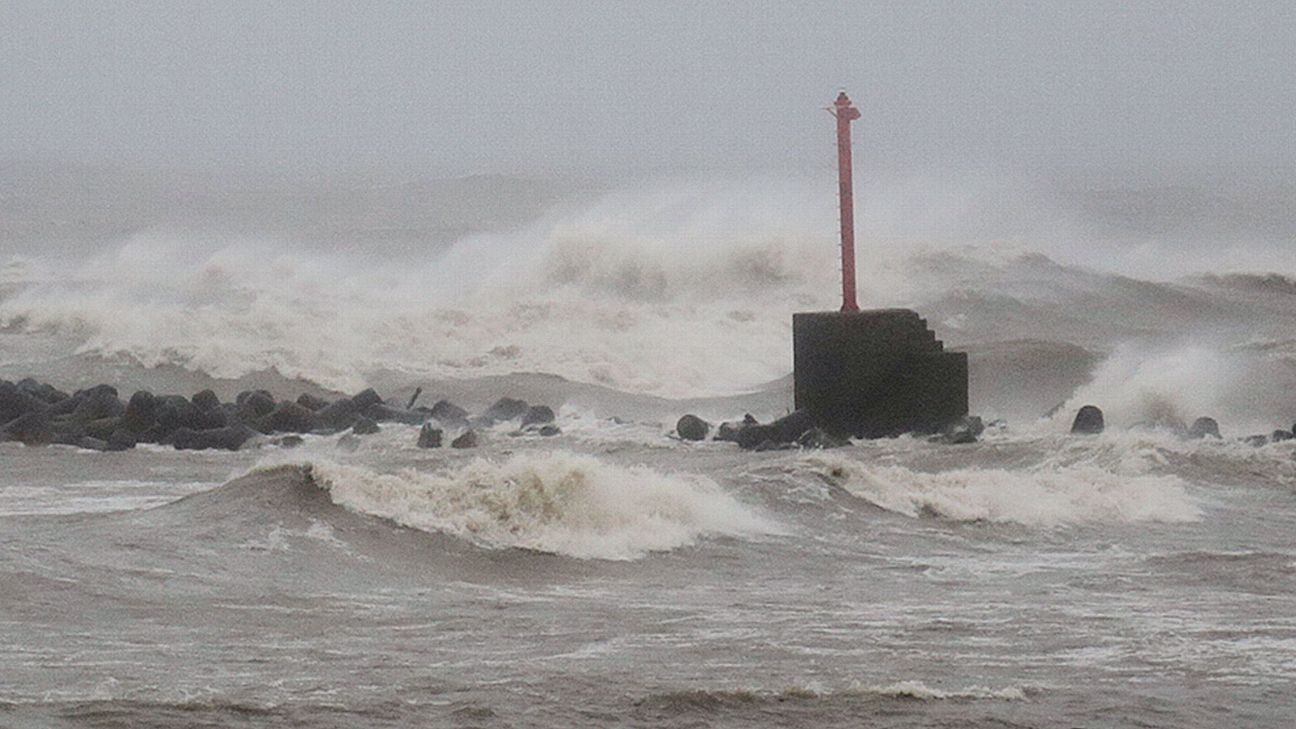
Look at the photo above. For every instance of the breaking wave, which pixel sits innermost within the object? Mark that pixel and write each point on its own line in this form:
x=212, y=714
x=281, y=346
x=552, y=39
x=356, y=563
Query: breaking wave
x=1043, y=495
x=560, y=503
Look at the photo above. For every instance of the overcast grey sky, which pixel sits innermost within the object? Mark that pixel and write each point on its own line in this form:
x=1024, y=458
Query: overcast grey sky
x=597, y=87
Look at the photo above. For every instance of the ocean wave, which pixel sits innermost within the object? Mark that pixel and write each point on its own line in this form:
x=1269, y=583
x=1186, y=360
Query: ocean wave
x=707, y=700
x=555, y=502
x=1043, y=495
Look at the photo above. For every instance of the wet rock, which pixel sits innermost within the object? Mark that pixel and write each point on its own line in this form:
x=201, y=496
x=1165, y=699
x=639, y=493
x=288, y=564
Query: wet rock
x=1278, y=436
x=728, y=431
x=752, y=436
x=691, y=427
x=141, y=412
x=229, y=438
x=15, y=402
x=349, y=442
x=467, y=440
x=47, y=394
x=339, y=415
x=254, y=405
x=792, y=426
x=817, y=438
x=365, y=398
x=288, y=441
x=506, y=408
x=769, y=445
x=383, y=413
x=289, y=417
x=1204, y=428
x=97, y=403
x=365, y=426
x=549, y=430
x=102, y=428
x=175, y=412
x=33, y=428
x=538, y=415
x=121, y=440
x=429, y=437
x=311, y=402
x=447, y=413
x=205, y=400
x=1088, y=421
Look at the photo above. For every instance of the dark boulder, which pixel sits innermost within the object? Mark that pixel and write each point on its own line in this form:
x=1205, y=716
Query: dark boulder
x=33, y=428
x=792, y=426
x=752, y=436
x=1088, y=421
x=121, y=440
x=1256, y=441
x=1278, y=436
x=15, y=402
x=505, y=408
x=728, y=431
x=538, y=415
x=312, y=403
x=229, y=438
x=102, y=428
x=691, y=427
x=366, y=398
x=97, y=403
x=388, y=414
x=1204, y=428
x=467, y=440
x=339, y=415
x=141, y=412
x=47, y=394
x=365, y=426
x=289, y=417
x=254, y=405
x=175, y=412
x=205, y=400
x=549, y=430
x=429, y=437
x=447, y=413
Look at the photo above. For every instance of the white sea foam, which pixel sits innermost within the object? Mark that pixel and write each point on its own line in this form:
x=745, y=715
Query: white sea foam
x=556, y=502
x=1045, y=495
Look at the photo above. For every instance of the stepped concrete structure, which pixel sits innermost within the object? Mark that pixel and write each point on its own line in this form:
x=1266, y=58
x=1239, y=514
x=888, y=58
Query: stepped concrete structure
x=878, y=373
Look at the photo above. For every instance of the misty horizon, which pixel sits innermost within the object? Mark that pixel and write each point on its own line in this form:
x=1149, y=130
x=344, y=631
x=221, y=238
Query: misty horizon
x=409, y=91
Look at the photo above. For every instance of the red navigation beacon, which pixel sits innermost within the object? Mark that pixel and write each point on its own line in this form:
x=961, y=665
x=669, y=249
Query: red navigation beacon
x=846, y=113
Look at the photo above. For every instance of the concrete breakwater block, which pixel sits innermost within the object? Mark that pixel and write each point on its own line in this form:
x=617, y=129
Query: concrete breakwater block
x=877, y=373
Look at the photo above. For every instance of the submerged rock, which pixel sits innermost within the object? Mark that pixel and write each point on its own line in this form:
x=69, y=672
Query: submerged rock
x=1088, y=421
x=550, y=430
x=429, y=437
x=963, y=431
x=506, y=408
x=1279, y=436
x=1203, y=428
x=538, y=415
x=691, y=427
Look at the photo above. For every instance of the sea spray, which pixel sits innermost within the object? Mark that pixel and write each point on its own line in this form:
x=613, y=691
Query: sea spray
x=556, y=502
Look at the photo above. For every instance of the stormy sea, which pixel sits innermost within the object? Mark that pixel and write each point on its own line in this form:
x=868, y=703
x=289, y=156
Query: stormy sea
x=614, y=574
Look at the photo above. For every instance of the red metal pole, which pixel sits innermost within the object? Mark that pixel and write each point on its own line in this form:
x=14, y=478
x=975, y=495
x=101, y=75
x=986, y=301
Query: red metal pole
x=846, y=114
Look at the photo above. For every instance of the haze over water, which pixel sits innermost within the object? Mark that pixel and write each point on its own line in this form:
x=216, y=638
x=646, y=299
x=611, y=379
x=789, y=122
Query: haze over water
x=614, y=210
